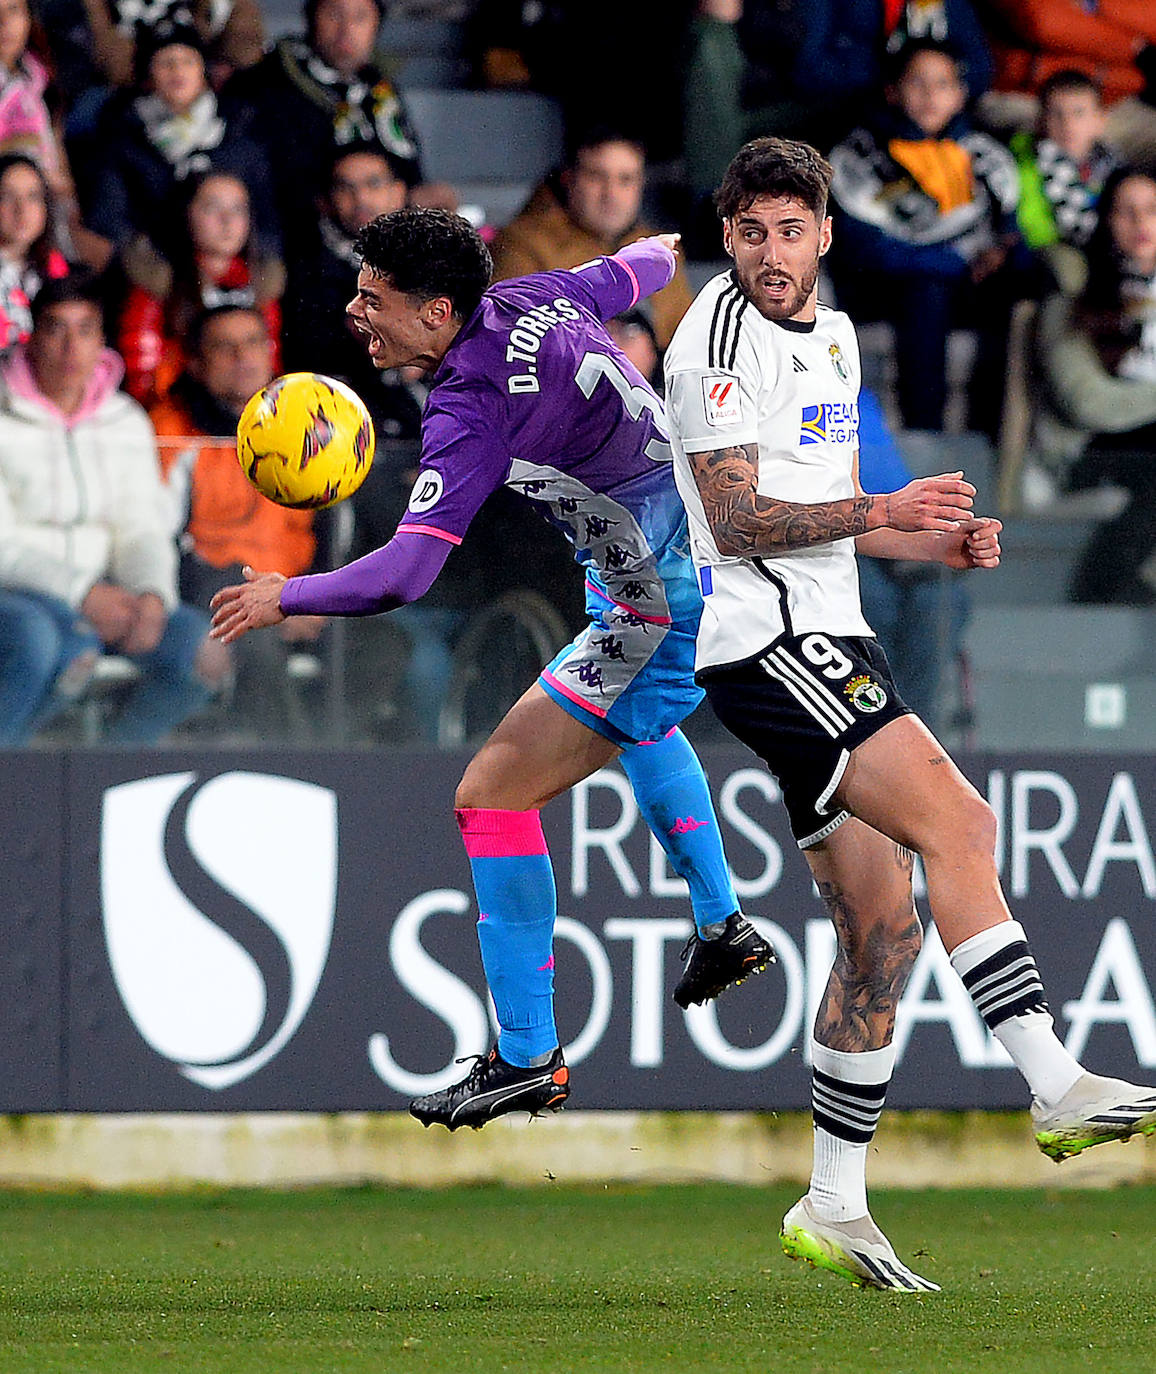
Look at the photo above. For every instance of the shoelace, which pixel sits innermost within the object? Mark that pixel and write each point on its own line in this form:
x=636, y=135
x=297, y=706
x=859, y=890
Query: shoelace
x=474, y=1075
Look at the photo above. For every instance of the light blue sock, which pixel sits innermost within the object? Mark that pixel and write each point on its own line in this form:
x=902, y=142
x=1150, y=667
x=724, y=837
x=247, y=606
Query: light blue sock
x=674, y=797
x=514, y=882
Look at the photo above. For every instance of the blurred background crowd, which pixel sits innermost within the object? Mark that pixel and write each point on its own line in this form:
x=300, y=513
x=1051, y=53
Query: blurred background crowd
x=181, y=182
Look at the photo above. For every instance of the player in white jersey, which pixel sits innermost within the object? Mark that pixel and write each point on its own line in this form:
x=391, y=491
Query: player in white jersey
x=762, y=385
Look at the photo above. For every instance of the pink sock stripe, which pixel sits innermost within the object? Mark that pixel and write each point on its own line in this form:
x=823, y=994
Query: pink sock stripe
x=652, y=619
x=642, y=743
x=501, y=834
x=571, y=695
x=626, y=267
x=430, y=529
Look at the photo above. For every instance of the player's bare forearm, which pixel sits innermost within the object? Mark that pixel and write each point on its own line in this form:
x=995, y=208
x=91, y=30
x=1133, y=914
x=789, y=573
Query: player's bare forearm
x=744, y=523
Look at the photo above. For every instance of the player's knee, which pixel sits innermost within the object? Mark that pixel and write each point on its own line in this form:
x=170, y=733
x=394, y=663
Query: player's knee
x=975, y=826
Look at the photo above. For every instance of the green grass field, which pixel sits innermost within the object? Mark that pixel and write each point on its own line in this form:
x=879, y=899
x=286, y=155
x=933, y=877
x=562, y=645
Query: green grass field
x=560, y=1279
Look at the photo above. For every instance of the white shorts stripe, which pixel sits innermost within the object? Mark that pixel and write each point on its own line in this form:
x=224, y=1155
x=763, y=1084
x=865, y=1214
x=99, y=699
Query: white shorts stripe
x=802, y=674
x=800, y=696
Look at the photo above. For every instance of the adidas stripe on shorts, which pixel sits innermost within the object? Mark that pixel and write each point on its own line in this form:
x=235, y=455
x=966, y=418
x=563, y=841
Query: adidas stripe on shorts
x=803, y=705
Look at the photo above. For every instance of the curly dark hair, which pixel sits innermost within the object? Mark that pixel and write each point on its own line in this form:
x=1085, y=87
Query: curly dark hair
x=427, y=253
x=774, y=167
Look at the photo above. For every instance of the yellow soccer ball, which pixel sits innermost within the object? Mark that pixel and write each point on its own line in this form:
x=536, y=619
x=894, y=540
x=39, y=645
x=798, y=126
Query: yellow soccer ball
x=305, y=441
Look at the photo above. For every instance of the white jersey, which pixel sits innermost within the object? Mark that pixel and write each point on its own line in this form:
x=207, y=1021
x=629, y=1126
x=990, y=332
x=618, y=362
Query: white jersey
x=734, y=377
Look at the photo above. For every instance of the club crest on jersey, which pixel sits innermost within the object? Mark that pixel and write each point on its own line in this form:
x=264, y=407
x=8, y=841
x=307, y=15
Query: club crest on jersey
x=865, y=695
x=720, y=394
x=839, y=363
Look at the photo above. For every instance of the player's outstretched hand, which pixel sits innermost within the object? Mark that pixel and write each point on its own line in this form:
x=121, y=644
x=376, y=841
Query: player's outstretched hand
x=670, y=241
x=930, y=503
x=974, y=545
x=256, y=602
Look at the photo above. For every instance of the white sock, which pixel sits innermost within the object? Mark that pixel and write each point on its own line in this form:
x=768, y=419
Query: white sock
x=999, y=972
x=847, y=1094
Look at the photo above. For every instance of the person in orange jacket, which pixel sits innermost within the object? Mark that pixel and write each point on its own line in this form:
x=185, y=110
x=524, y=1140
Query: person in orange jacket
x=1033, y=39
x=223, y=522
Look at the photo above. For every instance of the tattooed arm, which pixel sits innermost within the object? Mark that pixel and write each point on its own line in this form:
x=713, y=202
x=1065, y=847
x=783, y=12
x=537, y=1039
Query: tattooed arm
x=746, y=524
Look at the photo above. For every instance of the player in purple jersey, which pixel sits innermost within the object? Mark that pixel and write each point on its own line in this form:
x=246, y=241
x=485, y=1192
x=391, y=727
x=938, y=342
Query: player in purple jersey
x=528, y=390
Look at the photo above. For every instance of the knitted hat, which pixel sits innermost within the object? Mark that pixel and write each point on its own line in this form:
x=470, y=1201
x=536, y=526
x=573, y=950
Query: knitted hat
x=168, y=33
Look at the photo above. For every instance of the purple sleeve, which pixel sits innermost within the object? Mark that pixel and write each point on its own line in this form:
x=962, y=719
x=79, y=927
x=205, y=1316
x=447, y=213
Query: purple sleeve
x=612, y=285
x=397, y=573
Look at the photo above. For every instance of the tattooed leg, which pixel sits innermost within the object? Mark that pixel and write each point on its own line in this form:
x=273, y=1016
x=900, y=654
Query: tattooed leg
x=865, y=880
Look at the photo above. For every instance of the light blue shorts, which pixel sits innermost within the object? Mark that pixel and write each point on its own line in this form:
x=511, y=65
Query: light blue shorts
x=626, y=677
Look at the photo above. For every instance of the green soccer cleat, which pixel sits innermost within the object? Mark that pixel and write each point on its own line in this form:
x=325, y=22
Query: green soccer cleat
x=855, y=1250
x=1092, y=1111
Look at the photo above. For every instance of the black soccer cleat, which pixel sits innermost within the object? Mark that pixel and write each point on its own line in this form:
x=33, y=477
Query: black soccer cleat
x=712, y=965
x=493, y=1088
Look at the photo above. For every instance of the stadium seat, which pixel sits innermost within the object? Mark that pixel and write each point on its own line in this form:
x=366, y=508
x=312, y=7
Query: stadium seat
x=424, y=52
x=493, y=146
x=1063, y=677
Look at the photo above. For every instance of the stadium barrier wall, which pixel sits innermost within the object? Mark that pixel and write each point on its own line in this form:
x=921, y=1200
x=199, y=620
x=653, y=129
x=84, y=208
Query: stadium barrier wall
x=281, y=931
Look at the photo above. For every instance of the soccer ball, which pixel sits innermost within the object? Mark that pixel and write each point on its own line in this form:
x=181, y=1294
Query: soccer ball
x=305, y=441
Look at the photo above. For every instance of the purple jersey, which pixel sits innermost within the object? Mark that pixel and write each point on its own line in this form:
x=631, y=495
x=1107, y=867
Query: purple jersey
x=534, y=394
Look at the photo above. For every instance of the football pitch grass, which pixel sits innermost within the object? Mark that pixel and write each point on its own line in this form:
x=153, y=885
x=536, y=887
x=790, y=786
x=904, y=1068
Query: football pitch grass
x=558, y=1279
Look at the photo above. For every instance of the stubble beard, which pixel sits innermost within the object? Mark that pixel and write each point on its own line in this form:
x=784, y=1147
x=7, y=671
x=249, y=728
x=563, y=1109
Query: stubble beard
x=791, y=304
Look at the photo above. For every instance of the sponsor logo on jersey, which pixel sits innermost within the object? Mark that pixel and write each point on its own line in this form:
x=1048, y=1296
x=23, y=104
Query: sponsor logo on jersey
x=839, y=363
x=797, y=364
x=865, y=695
x=427, y=491
x=720, y=395
x=830, y=422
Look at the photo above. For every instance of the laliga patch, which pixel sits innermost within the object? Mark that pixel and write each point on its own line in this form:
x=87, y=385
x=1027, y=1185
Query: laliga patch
x=865, y=695
x=720, y=396
x=427, y=491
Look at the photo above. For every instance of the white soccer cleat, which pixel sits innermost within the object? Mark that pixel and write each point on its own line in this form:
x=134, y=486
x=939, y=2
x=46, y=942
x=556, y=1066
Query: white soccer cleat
x=856, y=1250
x=1093, y=1110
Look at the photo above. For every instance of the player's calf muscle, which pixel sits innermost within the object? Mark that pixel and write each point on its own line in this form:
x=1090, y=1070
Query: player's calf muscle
x=871, y=969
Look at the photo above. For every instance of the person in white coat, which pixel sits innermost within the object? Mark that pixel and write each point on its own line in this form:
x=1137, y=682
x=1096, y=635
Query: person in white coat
x=87, y=555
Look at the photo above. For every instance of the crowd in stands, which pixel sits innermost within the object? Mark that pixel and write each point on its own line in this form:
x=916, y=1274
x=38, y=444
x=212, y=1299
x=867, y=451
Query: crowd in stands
x=176, y=182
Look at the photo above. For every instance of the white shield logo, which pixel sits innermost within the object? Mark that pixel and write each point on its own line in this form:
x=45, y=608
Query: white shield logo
x=218, y=906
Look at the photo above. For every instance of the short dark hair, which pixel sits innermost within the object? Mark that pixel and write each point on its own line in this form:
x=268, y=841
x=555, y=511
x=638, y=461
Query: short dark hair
x=399, y=168
x=774, y=167
x=1068, y=79
x=80, y=285
x=312, y=6
x=203, y=320
x=588, y=137
x=427, y=253
x=898, y=61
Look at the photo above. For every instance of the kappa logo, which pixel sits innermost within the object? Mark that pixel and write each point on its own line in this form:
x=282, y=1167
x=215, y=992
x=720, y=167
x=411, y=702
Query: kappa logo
x=217, y=940
x=721, y=400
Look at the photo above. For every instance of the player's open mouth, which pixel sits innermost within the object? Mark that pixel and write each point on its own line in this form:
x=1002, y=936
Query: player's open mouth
x=776, y=286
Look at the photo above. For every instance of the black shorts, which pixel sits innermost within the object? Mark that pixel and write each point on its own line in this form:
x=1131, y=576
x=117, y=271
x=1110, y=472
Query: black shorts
x=803, y=706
